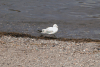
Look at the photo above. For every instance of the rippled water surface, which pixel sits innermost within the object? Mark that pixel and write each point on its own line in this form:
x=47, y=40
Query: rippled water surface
x=75, y=18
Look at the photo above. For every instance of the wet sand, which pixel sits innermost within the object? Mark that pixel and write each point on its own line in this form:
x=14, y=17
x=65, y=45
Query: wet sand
x=24, y=50
x=13, y=34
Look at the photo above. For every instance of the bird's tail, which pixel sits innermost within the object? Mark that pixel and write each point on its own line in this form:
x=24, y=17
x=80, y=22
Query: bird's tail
x=39, y=30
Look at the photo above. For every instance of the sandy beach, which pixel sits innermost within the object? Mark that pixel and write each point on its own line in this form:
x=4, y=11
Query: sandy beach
x=33, y=52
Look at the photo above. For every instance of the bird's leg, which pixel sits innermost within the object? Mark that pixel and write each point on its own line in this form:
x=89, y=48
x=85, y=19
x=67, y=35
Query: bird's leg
x=54, y=36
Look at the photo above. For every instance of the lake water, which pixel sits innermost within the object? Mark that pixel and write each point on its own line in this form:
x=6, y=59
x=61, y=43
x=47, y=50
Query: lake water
x=75, y=18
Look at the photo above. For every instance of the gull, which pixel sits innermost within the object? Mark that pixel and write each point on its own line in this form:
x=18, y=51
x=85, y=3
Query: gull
x=50, y=30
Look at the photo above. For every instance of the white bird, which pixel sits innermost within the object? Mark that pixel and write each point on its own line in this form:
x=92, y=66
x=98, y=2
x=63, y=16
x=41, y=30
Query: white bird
x=50, y=30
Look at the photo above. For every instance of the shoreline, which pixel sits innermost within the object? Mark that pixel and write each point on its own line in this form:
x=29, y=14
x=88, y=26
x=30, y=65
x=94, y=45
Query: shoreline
x=14, y=34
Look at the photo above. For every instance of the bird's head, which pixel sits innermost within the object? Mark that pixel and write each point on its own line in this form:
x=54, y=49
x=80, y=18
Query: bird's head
x=55, y=25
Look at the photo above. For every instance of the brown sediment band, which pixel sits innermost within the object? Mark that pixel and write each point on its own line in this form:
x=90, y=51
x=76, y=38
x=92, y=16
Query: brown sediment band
x=13, y=34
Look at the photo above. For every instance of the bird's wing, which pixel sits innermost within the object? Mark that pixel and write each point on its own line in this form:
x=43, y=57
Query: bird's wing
x=47, y=30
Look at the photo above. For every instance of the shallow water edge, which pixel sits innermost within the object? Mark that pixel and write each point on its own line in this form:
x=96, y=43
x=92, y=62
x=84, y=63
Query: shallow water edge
x=13, y=34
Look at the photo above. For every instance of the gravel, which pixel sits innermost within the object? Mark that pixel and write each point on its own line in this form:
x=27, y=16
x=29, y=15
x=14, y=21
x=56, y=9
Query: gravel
x=32, y=52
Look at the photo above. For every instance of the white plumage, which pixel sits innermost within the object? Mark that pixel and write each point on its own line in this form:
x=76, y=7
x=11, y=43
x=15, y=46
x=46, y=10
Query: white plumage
x=50, y=30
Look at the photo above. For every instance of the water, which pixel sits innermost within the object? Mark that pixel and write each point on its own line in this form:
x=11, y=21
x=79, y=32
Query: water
x=75, y=18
